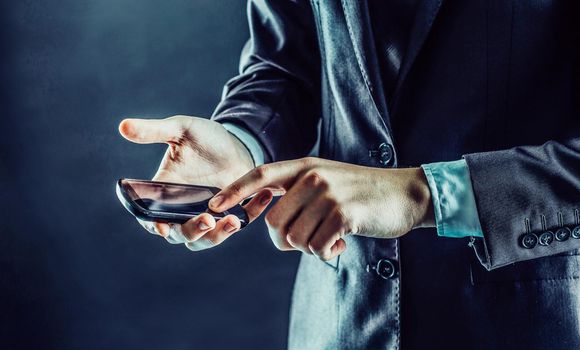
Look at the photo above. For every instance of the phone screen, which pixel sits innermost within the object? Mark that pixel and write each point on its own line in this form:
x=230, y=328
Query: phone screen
x=165, y=197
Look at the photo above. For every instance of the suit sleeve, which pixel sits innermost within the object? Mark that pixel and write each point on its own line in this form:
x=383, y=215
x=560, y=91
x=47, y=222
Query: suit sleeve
x=276, y=95
x=528, y=200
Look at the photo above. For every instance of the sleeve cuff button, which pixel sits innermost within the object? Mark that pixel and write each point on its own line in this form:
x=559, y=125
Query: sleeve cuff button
x=562, y=234
x=529, y=240
x=576, y=232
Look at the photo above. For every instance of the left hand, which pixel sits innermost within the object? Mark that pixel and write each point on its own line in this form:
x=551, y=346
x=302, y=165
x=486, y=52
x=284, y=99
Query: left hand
x=326, y=200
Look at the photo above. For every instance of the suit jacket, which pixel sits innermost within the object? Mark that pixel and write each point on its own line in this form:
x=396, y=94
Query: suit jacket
x=494, y=81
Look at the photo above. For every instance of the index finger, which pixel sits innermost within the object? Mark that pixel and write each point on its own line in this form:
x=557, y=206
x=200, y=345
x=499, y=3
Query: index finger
x=274, y=175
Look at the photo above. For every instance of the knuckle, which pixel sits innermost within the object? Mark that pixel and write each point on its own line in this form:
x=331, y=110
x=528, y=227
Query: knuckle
x=324, y=256
x=317, y=247
x=179, y=117
x=260, y=172
x=210, y=241
x=339, y=218
x=308, y=161
x=280, y=247
x=180, y=120
x=320, y=252
x=235, y=189
x=294, y=238
x=277, y=240
x=272, y=220
x=313, y=178
x=188, y=234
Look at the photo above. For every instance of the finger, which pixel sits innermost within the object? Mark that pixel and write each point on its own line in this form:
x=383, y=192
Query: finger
x=172, y=231
x=152, y=130
x=224, y=228
x=338, y=248
x=161, y=228
x=275, y=175
x=327, y=242
x=172, y=237
x=200, y=244
x=288, y=208
x=149, y=226
x=194, y=228
x=175, y=235
x=278, y=239
x=258, y=204
x=301, y=230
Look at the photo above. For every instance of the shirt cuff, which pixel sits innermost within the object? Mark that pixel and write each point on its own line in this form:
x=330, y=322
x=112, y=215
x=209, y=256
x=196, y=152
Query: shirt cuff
x=251, y=143
x=453, y=199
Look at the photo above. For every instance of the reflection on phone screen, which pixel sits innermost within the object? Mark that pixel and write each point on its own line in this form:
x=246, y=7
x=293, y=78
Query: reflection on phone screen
x=169, y=197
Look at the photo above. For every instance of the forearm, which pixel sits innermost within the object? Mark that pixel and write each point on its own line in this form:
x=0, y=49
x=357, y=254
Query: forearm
x=275, y=98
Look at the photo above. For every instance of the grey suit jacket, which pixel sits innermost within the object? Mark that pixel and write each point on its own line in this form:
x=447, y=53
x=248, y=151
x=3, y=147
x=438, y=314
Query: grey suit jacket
x=496, y=82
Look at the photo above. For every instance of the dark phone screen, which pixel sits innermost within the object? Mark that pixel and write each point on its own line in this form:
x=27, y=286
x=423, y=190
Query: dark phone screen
x=164, y=197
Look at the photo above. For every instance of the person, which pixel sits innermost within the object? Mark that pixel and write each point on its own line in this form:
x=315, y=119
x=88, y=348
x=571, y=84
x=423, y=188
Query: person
x=442, y=209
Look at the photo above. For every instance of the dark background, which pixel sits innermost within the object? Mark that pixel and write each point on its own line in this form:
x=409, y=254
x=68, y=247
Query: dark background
x=76, y=271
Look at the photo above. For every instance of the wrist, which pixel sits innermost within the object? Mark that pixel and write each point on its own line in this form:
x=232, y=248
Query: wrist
x=245, y=158
x=249, y=141
x=420, y=196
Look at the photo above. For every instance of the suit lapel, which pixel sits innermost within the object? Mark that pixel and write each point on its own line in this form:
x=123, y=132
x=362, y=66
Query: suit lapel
x=360, y=31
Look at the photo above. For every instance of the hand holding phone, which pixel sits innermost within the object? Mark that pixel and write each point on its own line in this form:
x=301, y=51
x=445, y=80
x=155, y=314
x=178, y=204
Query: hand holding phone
x=200, y=151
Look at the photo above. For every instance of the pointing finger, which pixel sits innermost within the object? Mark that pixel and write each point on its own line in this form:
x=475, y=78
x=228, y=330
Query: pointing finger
x=275, y=175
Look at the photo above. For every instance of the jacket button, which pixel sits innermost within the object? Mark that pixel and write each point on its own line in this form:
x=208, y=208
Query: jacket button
x=576, y=232
x=529, y=240
x=546, y=238
x=562, y=234
x=384, y=268
x=385, y=154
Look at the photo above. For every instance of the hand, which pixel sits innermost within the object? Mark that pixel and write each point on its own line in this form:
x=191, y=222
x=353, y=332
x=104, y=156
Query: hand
x=200, y=152
x=326, y=200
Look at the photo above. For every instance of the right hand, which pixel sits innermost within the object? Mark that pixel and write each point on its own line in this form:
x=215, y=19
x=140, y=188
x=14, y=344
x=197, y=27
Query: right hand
x=200, y=152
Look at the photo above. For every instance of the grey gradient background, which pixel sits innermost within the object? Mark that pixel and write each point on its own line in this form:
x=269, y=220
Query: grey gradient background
x=76, y=271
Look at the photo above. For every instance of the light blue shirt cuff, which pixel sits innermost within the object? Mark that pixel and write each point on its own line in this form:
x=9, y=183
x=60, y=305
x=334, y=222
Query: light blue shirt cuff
x=453, y=199
x=249, y=141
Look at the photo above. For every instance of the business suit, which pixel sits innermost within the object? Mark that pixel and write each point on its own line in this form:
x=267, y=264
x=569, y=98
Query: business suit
x=494, y=81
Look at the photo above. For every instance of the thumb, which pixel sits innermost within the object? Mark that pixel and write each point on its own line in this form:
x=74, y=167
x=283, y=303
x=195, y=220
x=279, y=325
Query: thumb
x=152, y=130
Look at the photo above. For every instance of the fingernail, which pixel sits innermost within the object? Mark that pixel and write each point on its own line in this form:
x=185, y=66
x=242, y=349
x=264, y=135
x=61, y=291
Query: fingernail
x=265, y=199
x=216, y=201
x=229, y=227
x=202, y=226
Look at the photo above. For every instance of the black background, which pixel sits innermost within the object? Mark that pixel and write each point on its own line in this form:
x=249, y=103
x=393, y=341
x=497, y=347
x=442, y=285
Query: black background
x=76, y=271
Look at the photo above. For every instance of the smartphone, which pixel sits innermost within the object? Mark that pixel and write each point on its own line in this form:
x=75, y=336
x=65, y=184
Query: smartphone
x=170, y=202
